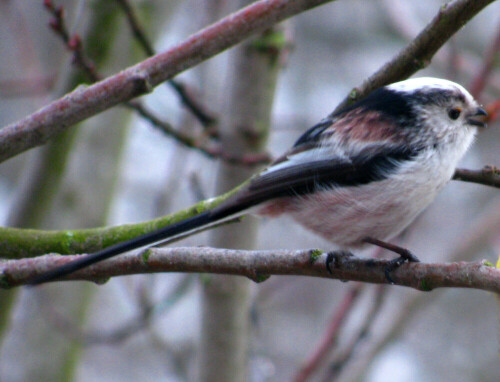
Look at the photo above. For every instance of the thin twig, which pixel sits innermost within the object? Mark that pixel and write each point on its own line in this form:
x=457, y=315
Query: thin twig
x=343, y=358
x=136, y=28
x=149, y=311
x=213, y=151
x=72, y=42
x=331, y=335
x=200, y=112
x=490, y=57
x=329, y=338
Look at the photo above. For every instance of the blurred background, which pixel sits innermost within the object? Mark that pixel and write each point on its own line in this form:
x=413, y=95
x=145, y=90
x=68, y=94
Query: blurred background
x=116, y=168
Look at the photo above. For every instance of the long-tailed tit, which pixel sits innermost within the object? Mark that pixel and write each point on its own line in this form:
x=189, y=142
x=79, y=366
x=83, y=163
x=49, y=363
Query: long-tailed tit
x=360, y=176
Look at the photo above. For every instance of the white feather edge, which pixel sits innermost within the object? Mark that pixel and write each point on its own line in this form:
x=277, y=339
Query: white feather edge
x=421, y=83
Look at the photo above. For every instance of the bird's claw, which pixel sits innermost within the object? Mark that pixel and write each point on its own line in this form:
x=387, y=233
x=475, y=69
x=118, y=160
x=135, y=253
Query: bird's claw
x=335, y=258
x=392, y=265
x=330, y=257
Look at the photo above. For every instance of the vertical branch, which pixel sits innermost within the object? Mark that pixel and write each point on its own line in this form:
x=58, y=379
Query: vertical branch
x=226, y=299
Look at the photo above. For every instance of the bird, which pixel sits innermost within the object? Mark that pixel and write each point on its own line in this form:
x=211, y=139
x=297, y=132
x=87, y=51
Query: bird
x=358, y=177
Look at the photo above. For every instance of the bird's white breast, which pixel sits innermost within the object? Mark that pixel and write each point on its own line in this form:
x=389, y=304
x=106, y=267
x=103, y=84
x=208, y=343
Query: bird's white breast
x=381, y=209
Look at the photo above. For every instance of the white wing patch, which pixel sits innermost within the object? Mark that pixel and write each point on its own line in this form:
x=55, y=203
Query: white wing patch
x=311, y=155
x=332, y=150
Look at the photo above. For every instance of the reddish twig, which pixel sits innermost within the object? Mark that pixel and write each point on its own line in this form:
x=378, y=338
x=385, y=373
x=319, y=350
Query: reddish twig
x=493, y=110
x=336, y=367
x=193, y=105
x=73, y=43
x=490, y=57
x=331, y=335
x=329, y=339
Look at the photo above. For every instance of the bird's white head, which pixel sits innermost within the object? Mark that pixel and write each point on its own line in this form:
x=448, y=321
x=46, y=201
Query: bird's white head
x=441, y=103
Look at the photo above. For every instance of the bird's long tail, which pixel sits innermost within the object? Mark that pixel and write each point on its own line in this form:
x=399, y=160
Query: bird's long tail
x=157, y=236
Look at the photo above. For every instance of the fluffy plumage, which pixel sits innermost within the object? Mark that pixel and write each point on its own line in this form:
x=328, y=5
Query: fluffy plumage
x=366, y=171
x=370, y=169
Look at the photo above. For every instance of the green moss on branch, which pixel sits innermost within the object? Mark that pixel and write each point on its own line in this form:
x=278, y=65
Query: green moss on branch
x=19, y=243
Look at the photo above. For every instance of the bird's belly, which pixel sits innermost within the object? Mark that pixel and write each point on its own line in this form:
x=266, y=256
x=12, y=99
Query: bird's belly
x=381, y=209
x=345, y=216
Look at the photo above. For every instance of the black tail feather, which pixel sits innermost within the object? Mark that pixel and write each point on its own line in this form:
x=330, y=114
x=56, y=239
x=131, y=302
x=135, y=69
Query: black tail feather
x=162, y=234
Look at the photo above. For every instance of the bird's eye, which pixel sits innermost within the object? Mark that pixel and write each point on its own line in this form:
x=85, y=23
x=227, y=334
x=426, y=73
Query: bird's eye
x=454, y=113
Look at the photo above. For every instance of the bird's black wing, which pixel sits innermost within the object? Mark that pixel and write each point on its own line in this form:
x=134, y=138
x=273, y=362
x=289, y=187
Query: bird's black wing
x=371, y=165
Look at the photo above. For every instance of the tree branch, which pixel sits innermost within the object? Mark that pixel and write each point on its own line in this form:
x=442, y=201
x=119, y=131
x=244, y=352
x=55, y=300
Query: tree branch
x=488, y=176
x=84, y=102
x=259, y=265
x=419, y=52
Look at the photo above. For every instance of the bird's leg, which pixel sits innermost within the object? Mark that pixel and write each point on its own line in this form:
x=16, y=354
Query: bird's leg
x=404, y=255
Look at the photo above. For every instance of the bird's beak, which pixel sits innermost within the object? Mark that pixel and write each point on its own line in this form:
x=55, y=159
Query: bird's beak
x=479, y=118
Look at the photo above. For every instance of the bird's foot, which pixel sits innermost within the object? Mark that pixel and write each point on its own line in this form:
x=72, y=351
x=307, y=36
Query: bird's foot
x=404, y=256
x=396, y=263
